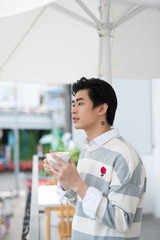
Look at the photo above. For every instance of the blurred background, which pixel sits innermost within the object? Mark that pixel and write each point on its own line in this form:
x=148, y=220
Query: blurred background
x=44, y=47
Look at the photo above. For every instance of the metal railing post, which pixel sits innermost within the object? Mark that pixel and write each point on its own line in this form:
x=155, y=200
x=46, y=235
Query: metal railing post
x=34, y=215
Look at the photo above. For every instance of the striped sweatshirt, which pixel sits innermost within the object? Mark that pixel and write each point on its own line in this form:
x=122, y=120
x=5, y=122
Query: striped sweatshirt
x=123, y=186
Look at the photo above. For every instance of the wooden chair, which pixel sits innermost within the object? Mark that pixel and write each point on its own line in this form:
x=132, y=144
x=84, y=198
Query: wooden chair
x=65, y=214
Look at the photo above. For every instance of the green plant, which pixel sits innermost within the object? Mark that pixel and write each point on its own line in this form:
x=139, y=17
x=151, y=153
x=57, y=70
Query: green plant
x=74, y=154
x=46, y=148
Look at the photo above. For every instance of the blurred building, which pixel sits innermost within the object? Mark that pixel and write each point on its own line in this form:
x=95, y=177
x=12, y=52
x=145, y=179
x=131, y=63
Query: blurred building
x=26, y=107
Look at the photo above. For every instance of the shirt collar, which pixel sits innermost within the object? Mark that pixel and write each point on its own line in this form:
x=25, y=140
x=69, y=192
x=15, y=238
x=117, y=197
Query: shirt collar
x=103, y=138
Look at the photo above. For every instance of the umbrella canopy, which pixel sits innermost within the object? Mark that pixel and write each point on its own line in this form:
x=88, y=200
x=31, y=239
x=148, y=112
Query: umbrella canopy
x=9, y=7
x=46, y=45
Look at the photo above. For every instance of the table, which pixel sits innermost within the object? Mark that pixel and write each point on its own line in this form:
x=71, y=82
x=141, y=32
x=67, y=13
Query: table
x=48, y=199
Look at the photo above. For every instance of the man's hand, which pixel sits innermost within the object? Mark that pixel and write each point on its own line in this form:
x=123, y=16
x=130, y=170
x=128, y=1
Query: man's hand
x=68, y=175
x=46, y=164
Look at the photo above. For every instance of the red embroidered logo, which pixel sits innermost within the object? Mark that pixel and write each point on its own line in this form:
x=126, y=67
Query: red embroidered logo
x=103, y=171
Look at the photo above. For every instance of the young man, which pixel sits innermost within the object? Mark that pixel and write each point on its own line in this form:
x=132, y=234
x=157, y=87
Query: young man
x=107, y=187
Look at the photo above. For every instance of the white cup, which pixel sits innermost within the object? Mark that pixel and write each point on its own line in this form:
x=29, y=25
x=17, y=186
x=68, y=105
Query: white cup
x=63, y=155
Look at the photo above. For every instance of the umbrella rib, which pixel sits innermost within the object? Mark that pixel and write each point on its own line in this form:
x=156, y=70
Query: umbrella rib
x=105, y=11
x=144, y=3
x=22, y=38
x=127, y=15
x=86, y=9
x=73, y=15
x=121, y=16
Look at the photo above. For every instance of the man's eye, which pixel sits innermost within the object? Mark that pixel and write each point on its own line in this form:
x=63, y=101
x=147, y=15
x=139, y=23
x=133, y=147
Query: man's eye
x=73, y=105
x=80, y=103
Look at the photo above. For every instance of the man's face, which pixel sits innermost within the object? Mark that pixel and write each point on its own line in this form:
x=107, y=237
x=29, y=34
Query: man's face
x=83, y=114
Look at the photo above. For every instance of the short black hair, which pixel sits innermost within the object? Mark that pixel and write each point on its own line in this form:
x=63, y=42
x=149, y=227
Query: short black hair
x=99, y=91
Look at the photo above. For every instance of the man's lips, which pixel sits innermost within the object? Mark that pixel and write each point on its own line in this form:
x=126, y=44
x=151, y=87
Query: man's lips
x=75, y=119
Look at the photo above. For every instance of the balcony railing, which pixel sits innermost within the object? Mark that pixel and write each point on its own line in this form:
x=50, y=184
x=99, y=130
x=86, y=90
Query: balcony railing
x=34, y=211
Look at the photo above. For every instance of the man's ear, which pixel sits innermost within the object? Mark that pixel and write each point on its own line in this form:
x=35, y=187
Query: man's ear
x=102, y=109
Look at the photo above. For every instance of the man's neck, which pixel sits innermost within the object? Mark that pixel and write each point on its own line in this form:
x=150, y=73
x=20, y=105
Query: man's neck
x=91, y=134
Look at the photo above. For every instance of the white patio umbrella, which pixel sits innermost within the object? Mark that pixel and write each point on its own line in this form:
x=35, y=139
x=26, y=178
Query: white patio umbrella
x=47, y=45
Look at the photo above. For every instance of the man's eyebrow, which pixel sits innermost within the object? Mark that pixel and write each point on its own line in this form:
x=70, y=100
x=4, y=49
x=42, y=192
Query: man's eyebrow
x=78, y=99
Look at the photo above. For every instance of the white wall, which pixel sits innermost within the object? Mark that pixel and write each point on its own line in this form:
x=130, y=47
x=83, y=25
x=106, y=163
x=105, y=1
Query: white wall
x=155, y=198
x=133, y=115
x=152, y=162
x=149, y=204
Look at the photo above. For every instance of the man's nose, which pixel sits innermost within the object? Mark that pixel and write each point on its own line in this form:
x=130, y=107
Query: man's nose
x=74, y=110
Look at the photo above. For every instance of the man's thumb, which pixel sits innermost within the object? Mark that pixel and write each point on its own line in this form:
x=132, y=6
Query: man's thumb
x=72, y=162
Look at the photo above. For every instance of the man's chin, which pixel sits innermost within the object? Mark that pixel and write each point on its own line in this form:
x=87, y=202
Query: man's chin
x=77, y=127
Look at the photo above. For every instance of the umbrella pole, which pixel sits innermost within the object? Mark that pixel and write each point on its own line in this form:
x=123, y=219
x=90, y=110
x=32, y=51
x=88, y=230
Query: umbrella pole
x=107, y=59
x=104, y=33
x=16, y=146
x=103, y=28
x=16, y=157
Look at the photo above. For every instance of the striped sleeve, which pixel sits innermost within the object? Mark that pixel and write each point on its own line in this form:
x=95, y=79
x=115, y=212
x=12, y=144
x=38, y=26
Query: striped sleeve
x=117, y=211
x=72, y=197
x=122, y=207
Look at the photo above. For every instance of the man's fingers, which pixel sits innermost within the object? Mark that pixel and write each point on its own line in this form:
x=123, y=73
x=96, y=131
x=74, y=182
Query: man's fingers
x=72, y=162
x=55, y=166
x=53, y=170
x=50, y=168
x=51, y=151
x=58, y=159
x=46, y=169
x=45, y=161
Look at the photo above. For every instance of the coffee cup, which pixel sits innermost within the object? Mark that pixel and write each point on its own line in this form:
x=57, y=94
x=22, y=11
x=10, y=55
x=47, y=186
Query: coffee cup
x=63, y=155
